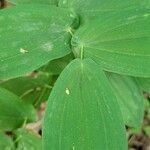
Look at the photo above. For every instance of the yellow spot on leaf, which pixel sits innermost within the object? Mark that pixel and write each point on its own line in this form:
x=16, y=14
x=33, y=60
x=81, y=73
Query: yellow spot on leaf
x=23, y=51
x=67, y=91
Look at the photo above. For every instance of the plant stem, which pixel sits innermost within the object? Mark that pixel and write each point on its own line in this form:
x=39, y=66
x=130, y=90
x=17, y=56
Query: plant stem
x=82, y=52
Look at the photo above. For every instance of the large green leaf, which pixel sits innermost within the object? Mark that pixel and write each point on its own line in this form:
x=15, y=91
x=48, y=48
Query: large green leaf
x=13, y=111
x=90, y=9
x=28, y=140
x=33, y=89
x=82, y=112
x=118, y=42
x=51, y=2
x=129, y=97
x=6, y=142
x=32, y=35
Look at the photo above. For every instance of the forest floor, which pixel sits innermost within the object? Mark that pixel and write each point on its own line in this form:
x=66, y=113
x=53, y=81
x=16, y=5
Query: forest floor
x=139, y=139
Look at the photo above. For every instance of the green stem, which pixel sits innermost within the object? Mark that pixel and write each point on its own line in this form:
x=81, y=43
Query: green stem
x=26, y=93
x=82, y=52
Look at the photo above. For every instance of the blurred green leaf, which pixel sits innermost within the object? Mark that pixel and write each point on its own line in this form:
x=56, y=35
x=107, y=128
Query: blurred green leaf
x=13, y=111
x=82, y=112
x=32, y=89
x=147, y=130
x=28, y=140
x=129, y=97
x=6, y=142
x=55, y=67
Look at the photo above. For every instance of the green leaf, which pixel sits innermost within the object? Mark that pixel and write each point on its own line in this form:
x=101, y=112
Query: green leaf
x=13, y=111
x=33, y=89
x=91, y=9
x=51, y=2
x=28, y=140
x=6, y=142
x=118, y=42
x=144, y=83
x=31, y=36
x=129, y=98
x=82, y=112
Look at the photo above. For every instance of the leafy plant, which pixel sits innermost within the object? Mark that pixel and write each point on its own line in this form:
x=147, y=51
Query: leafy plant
x=100, y=52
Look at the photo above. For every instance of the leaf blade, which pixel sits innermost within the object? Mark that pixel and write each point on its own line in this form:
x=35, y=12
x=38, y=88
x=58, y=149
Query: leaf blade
x=28, y=140
x=13, y=112
x=30, y=88
x=91, y=9
x=130, y=98
x=82, y=110
x=39, y=38
x=118, y=42
x=6, y=142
